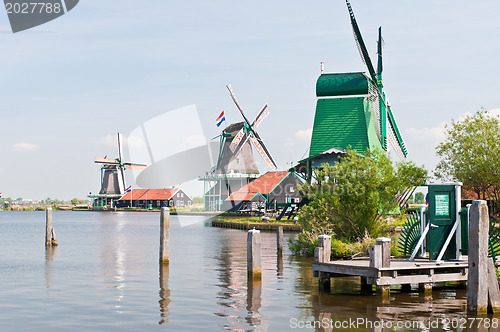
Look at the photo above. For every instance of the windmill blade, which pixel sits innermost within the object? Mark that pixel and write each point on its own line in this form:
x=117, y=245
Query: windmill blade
x=106, y=161
x=137, y=167
x=238, y=138
x=380, y=46
x=237, y=104
x=262, y=115
x=120, y=158
x=361, y=44
x=134, y=164
x=120, y=151
x=236, y=148
x=261, y=148
x=395, y=130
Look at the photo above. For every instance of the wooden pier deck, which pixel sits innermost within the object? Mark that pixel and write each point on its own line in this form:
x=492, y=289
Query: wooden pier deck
x=399, y=272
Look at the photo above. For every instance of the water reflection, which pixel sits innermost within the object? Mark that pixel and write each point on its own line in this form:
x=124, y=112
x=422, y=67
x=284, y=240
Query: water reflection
x=240, y=299
x=344, y=303
x=231, y=277
x=254, y=301
x=113, y=248
x=49, y=257
x=279, y=263
x=164, y=292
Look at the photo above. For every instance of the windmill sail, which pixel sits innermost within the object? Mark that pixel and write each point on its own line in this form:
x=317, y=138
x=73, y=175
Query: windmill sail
x=360, y=43
x=352, y=108
x=248, y=132
x=383, y=116
x=262, y=150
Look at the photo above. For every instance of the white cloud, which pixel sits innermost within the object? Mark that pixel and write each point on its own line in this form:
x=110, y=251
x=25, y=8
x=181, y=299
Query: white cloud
x=301, y=136
x=494, y=112
x=434, y=134
x=24, y=147
x=109, y=140
x=134, y=142
x=429, y=134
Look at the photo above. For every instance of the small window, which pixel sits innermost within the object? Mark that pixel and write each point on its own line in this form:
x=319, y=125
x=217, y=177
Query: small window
x=177, y=203
x=171, y=203
x=182, y=194
x=189, y=202
x=292, y=189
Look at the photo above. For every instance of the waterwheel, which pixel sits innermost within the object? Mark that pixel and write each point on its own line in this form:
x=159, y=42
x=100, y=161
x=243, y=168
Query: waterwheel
x=410, y=234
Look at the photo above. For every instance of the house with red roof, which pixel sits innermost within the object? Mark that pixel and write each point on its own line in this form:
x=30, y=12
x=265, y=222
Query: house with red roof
x=154, y=198
x=271, y=191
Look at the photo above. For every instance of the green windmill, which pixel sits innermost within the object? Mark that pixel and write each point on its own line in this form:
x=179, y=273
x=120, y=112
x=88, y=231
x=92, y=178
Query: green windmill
x=352, y=110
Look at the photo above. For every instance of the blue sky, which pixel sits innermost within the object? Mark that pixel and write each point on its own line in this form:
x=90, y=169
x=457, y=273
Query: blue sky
x=70, y=85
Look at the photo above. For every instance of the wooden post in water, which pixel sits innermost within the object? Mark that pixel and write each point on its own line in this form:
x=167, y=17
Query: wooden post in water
x=385, y=244
x=254, y=267
x=325, y=242
x=322, y=254
x=477, y=281
x=165, y=235
x=50, y=234
x=279, y=238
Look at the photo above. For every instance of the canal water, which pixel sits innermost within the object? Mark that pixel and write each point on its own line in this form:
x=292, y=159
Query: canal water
x=105, y=276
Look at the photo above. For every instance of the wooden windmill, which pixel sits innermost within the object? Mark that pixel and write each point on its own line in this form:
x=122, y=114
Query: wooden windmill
x=353, y=110
x=236, y=165
x=113, y=177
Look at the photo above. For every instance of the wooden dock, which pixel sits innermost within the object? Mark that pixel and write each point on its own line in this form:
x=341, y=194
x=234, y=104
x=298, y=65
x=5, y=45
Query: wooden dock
x=400, y=271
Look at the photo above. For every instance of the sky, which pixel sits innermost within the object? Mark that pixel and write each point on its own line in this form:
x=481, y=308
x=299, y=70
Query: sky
x=70, y=85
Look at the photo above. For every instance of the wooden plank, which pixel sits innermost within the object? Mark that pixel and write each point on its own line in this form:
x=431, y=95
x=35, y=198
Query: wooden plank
x=420, y=279
x=345, y=270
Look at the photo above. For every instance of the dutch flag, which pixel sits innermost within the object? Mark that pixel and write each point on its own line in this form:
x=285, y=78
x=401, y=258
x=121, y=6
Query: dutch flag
x=129, y=189
x=220, y=119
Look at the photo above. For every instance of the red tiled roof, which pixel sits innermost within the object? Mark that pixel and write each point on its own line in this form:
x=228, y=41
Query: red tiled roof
x=264, y=185
x=242, y=196
x=149, y=194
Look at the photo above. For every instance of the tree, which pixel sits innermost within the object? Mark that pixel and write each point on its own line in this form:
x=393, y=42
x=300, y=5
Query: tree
x=350, y=198
x=470, y=154
x=197, y=200
x=75, y=201
x=419, y=198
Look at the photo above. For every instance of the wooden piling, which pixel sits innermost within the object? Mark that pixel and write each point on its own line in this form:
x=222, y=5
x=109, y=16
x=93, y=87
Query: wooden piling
x=477, y=282
x=325, y=242
x=493, y=290
x=254, y=267
x=385, y=243
x=279, y=239
x=50, y=234
x=376, y=256
x=165, y=235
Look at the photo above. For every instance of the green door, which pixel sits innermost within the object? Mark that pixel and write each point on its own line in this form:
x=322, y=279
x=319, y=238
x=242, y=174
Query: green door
x=442, y=214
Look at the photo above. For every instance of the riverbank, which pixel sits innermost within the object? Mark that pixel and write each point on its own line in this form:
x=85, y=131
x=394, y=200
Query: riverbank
x=251, y=223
